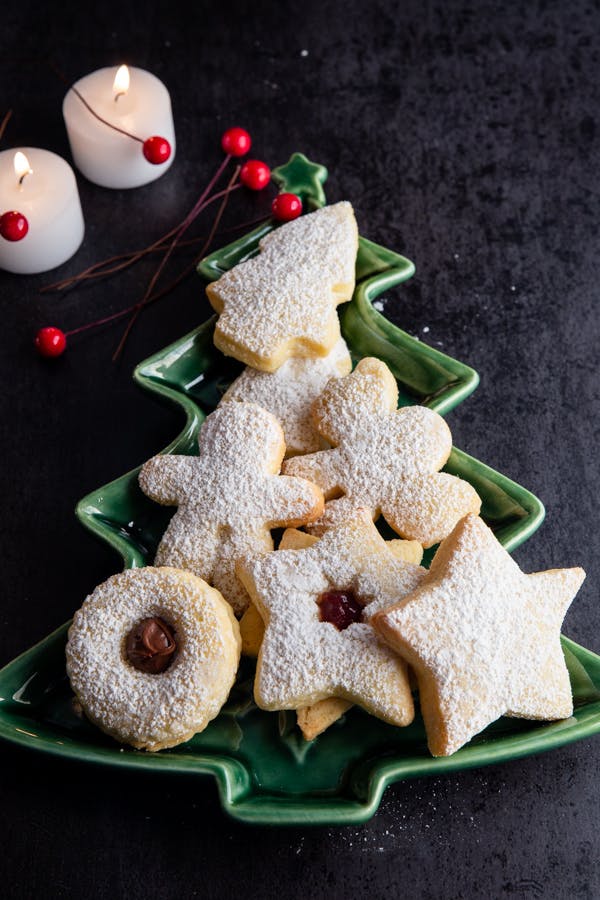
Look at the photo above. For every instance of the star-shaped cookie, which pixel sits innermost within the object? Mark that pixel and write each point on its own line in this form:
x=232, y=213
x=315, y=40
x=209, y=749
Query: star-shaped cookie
x=303, y=659
x=228, y=497
x=384, y=459
x=316, y=718
x=290, y=392
x=483, y=638
x=282, y=303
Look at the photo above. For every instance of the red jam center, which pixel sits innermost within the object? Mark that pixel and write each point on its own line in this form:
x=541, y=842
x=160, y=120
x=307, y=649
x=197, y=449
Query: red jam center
x=341, y=608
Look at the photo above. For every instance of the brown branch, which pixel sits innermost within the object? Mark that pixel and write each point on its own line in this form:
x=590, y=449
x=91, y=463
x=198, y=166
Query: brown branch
x=170, y=287
x=133, y=256
x=186, y=223
x=5, y=122
x=97, y=270
x=104, y=121
x=60, y=75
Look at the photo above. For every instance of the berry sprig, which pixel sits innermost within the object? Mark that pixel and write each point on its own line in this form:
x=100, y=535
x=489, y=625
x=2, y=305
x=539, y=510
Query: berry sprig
x=51, y=341
x=156, y=149
x=120, y=261
x=192, y=215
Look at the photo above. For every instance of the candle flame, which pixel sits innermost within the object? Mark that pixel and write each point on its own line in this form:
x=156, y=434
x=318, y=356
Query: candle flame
x=121, y=82
x=22, y=167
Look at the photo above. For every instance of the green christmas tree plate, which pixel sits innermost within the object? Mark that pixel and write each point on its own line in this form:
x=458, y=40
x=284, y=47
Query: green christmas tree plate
x=265, y=771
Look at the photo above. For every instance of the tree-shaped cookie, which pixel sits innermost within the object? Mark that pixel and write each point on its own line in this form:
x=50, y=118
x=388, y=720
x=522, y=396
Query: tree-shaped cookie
x=282, y=303
x=383, y=458
x=483, y=638
x=228, y=497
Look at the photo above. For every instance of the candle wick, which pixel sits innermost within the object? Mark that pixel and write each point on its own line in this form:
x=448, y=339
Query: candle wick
x=120, y=94
x=24, y=176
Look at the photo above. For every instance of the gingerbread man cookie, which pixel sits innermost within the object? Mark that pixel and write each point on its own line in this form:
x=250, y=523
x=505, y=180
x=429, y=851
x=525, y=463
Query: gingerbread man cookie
x=483, y=638
x=316, y=605
x=228, y=497
x=289, y=393
x=385, y=459
x=282, y=303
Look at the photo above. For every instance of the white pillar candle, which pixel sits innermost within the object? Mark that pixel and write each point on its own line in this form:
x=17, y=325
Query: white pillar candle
x=106, y=156
x=47, y=196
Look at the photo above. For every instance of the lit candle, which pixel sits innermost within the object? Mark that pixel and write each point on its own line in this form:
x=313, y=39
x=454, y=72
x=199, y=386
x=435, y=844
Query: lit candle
x=136, y=102
x=41, y=223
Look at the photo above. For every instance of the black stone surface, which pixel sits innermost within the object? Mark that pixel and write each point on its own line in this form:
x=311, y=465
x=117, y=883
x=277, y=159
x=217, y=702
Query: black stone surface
x=466, y=136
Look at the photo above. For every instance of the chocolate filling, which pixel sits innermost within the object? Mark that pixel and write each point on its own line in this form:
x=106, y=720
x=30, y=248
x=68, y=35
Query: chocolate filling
x=150, y=646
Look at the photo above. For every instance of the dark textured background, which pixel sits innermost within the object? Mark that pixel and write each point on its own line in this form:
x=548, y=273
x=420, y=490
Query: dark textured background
x=466, y=136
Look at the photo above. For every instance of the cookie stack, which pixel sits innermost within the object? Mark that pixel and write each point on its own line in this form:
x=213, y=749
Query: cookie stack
x=336, y=615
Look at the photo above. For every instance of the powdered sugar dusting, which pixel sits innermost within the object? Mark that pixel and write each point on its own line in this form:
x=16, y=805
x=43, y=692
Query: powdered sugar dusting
x=483, y=637
x=153, y=711
x=229, y=497
x=289, y=393
x=282, y=303
x=303, y=660
x=386, y=459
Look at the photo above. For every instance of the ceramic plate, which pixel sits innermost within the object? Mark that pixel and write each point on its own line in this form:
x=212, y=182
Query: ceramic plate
x=266, y=772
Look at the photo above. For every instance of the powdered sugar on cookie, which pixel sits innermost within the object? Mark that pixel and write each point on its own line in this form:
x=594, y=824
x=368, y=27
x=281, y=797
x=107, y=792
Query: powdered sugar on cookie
x=229, y=497
x=483, y=637
x=282, y=303
x=289, y=393
x=153, y=711
x=303, y=659
x=384, y=459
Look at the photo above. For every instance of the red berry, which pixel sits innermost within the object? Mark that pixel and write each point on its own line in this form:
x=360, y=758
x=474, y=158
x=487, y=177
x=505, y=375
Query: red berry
x=341, y=608
x=236, y=142
x=286, y=207
x=13, y=226
x=157, y=150
x=50, y=342
x=255, y=174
